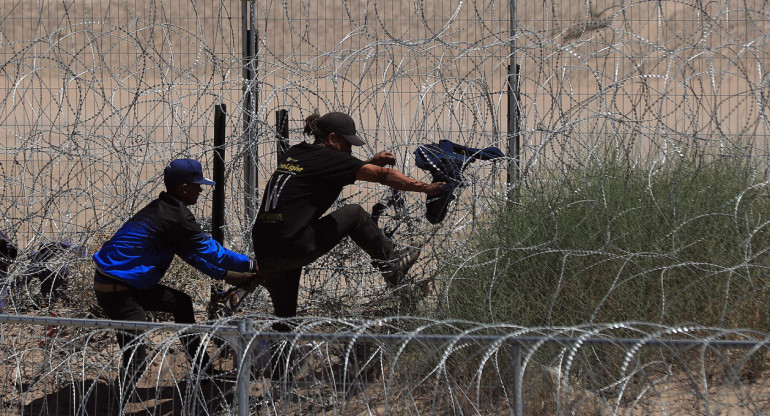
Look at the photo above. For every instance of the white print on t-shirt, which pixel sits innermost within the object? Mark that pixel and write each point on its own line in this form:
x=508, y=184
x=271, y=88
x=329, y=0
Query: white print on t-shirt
x=274, y=190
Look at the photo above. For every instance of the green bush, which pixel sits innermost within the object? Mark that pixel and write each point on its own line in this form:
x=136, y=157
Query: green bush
x=674, y=242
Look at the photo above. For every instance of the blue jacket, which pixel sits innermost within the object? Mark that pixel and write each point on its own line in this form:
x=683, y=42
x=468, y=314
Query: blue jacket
x=141, y=252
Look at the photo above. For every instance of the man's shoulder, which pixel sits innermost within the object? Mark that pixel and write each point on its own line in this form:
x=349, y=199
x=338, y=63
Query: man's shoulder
x=305, y=147
x=167, y=198
x=166, y=207
x=316, y=155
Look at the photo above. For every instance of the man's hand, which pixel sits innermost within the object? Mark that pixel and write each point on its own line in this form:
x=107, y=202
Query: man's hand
x=243, y=279
x=382, y=159
x=435, y=188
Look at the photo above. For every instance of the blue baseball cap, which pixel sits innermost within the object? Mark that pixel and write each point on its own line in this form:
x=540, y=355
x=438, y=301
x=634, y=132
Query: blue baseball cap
x=185, y=171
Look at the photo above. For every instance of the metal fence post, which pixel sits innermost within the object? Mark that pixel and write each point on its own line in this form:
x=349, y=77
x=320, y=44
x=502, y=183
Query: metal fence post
x=514, y=112
x=282, y=129
x=244, y=368
x=250, y=104
x=218, y=208
x=518, y=407
x=218, y=200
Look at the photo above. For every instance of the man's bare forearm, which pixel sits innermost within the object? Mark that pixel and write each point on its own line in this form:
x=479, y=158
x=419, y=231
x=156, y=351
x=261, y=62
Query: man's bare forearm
x=397, y=180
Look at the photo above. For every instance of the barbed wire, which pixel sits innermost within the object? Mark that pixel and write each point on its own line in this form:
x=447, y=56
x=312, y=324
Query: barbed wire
x=98, y=96
x=417, y=365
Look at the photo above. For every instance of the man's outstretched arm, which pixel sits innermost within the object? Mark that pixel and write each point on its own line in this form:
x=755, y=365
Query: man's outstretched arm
x=397, y=180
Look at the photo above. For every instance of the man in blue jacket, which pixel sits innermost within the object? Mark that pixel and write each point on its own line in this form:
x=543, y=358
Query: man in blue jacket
x=131, y=264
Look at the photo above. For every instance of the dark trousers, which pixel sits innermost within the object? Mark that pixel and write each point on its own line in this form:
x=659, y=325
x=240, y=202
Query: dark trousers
x=130, y=305
x=282, y=263
x=282, y=267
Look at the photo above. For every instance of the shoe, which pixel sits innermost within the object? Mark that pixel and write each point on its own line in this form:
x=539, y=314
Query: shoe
x=395, y=270
x=377, y=210
x=395, y=199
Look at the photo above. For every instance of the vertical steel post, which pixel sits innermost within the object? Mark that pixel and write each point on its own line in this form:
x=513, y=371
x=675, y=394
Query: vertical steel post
x=518, y=406
x=218, y=209
x=244, y=367
x=249, y=46
x=514, y=116
x=282, y=132
x=218, y=199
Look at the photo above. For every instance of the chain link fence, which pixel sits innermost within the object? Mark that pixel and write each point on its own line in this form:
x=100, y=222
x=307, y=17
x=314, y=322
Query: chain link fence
x=596, y=104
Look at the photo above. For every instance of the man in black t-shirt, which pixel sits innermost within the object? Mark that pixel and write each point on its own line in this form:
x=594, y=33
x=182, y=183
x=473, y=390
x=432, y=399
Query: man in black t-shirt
x=290, y=232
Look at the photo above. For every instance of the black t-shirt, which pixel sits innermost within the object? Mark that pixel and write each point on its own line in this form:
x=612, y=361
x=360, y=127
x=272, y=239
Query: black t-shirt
x=308, y=180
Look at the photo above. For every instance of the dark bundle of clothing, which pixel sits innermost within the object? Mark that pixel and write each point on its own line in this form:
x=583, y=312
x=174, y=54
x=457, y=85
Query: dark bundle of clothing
x=446, y=162
x=8, y=253
x=53, y=281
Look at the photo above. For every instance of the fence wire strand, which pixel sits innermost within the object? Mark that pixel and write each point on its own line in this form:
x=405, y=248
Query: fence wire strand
x=390, y=365
x=640, y=182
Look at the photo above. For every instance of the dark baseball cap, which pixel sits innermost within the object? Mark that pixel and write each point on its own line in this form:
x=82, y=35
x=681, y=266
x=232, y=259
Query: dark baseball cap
x=185, y=171
x=342, y=124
